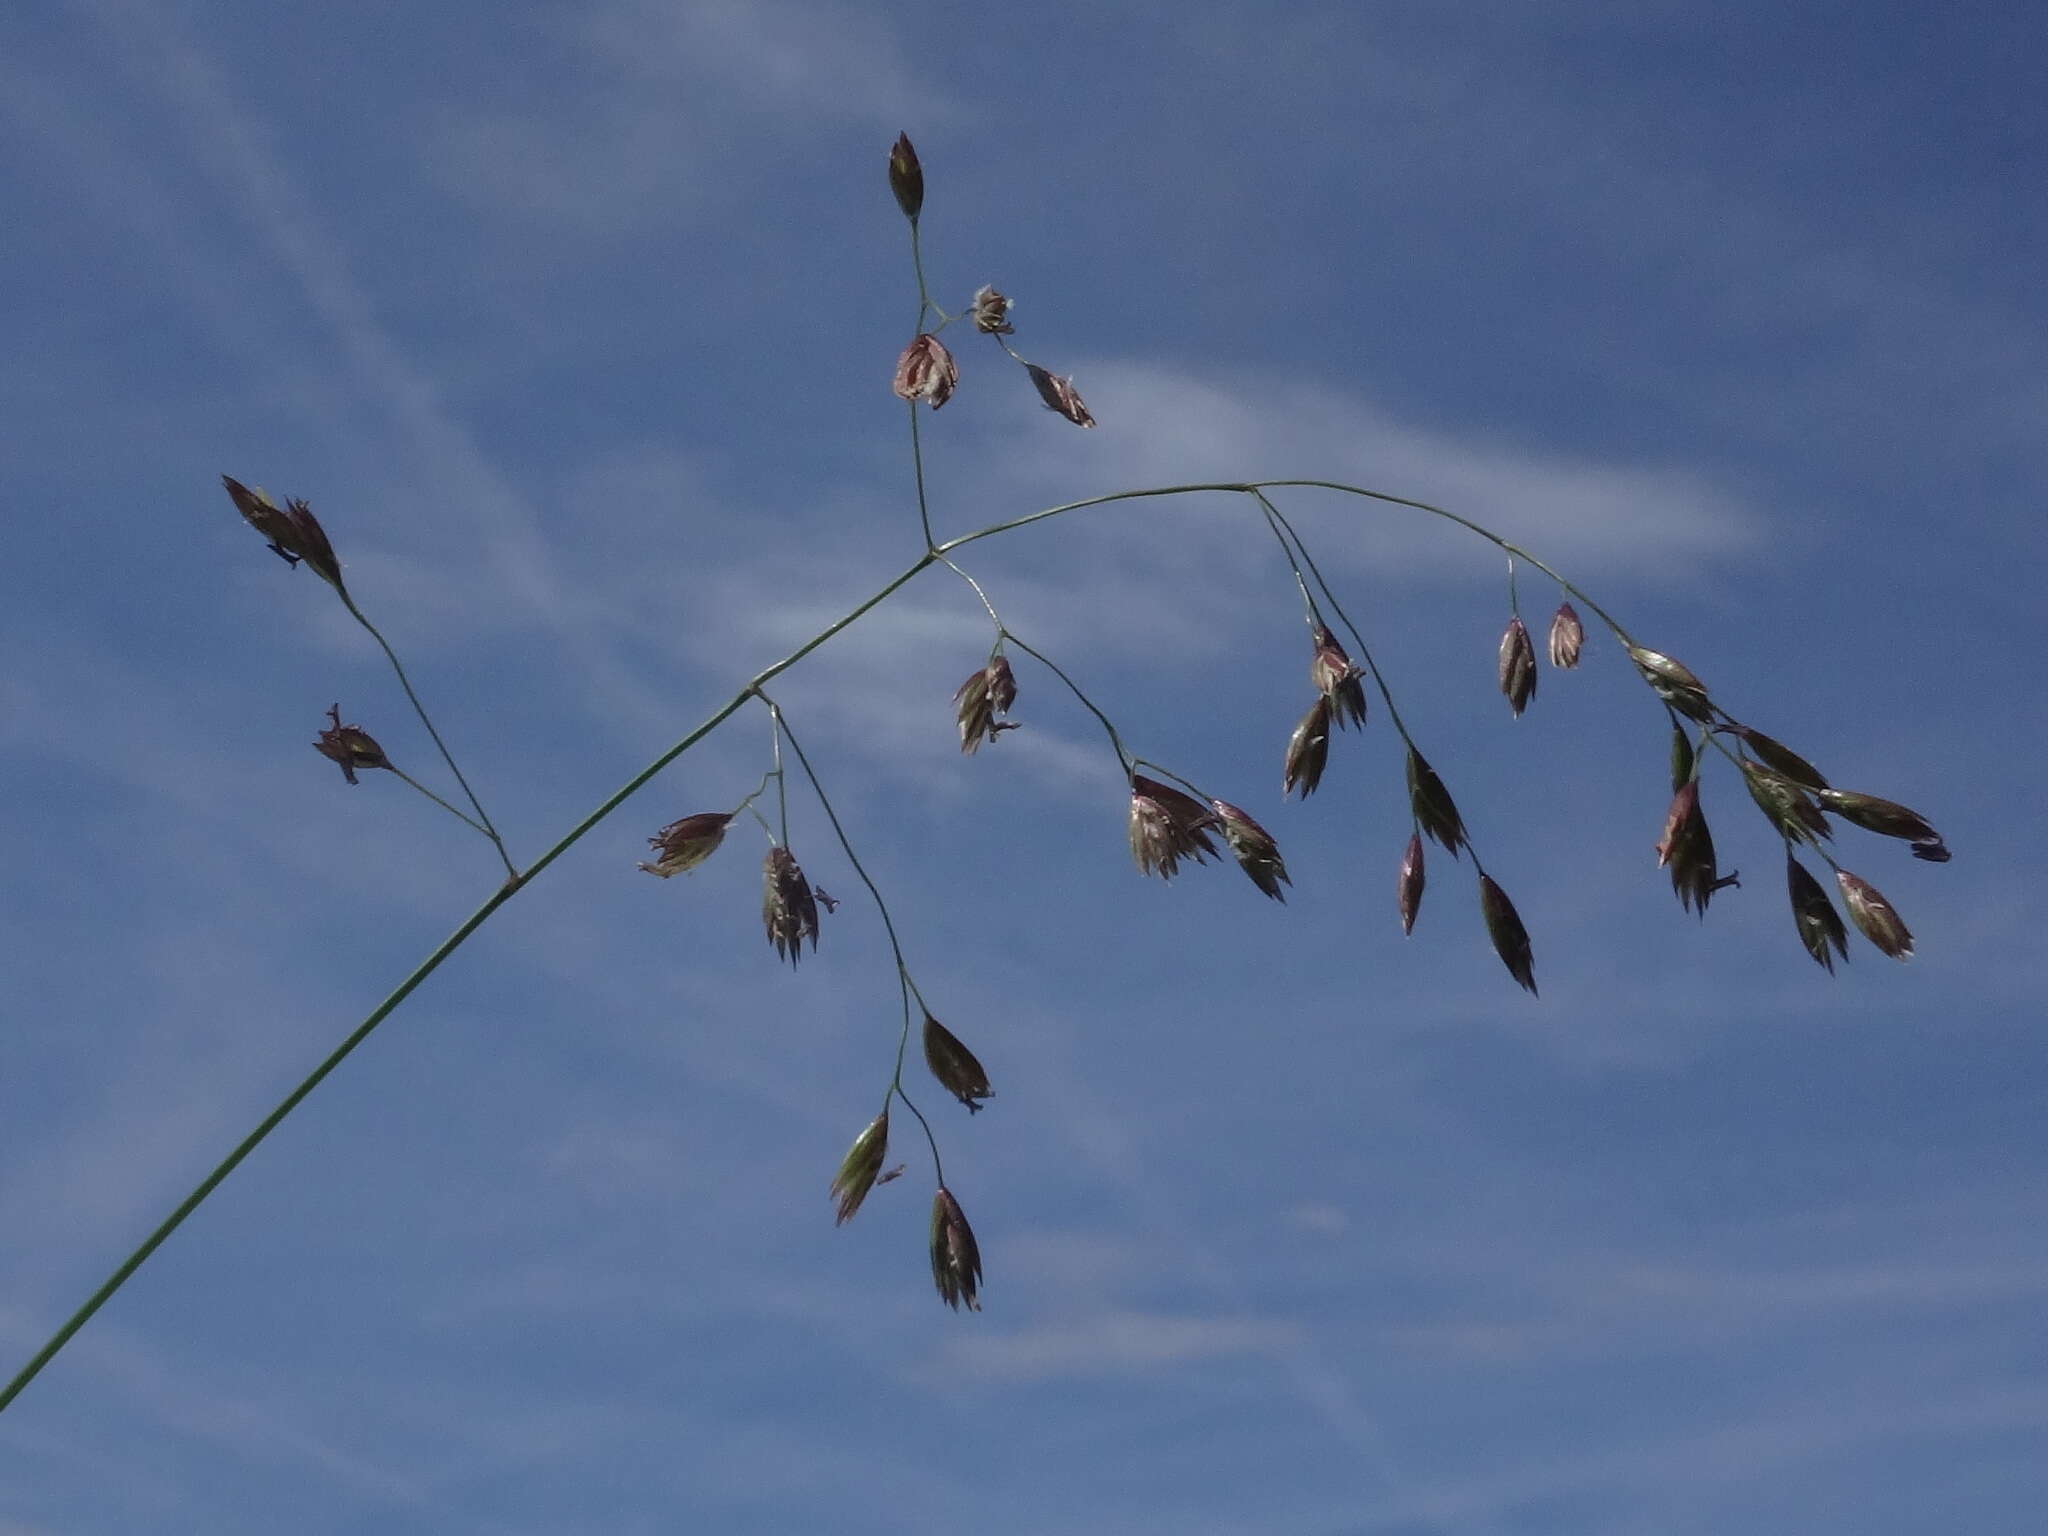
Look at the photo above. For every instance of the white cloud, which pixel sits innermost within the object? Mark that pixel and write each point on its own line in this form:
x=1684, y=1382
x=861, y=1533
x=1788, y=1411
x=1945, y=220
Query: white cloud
x=1166, y=426
x=1112, y=1343
x=251, y=1420
x=1705, y=1459
x=1318, y=1217
x=771, y=56
x=643, y=118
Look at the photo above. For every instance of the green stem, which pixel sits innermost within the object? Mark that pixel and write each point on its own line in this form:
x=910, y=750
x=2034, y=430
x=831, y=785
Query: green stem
x=1247, y=486
x=747, y=804
x=451, y=810
x=924, y=293
x=839, y=831
x=781, y=778
x=1465, y=522
x=420, y=709
x=924, y=516
x=904, y=984
x=938, y=1166
x=1308, y=602
x=249, y=1143
x=1372, y=666
x=991, y=607
x=426, y=968
x=1364, y=651
x=517, y=882
x=1165, y=772
x=1087, y=703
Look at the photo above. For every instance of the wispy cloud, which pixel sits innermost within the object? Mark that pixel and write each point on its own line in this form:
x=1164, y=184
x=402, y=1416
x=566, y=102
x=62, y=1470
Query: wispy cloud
x=639, y=121
x=1705, y=1459
x=486, y=529
x=1166, y=426
x=1109, y=1344
x=250, y=1422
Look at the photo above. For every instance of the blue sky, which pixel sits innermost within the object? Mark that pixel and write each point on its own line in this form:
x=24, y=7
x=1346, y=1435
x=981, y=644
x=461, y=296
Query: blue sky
x=575, y=325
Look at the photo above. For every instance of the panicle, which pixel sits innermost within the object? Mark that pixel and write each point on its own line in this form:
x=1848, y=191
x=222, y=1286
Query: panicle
x=788, y=910
x=1510, y=938
x=1869, y=911
x=906, y=177
x=1687, y=850
x=1339, y=679
x=1167, y=826
x=1408, y=884
x=956, y=1259
x=978, y=701
x=955, y=1066
x=1567, y=637
x=266, y=517
x=313, y=546
x=1673, y=682
x=1517, y=665
x=1785, y=805
x=1308, y=750
x=1434, y=809
x=349, y=745
x=990, y=312
x=1782, y=759
x=1681, y=758
x=858, y=1169
x=1059, y=395
x=926, y=371
x=1253, y=848
x=294, y=532
x=1820, y=926
x=683, y=845
x=1888, y=818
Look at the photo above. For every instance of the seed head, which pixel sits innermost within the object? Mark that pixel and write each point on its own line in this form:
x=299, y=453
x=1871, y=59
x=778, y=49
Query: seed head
x=1059, y=395
x=788, y=910
x=1685, y=810
x=1782, y=759
x=683, y=845
x=1889, y=818
x=1785, y=805
x=1166, y=827
x=1517, y=665
x=1408, y=884
x=1681, y=758
x=349, y=745
x=1567, y=637
x=976, y=703
x=1869, y=911
x=1510, y=938
x=990, y=312
x=926, y=371
x=1308, y=750
x=954, y=1065
x=1673, y=682
x=1339, y=679
x=313, y=546
x=1253, y=848
x=1687, y=850
x=1434, y=809
x=956, y=1259
x=294, y=532
x=1820, y=926
x=266, y=517
x=906, y=177
x=857, y=1170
